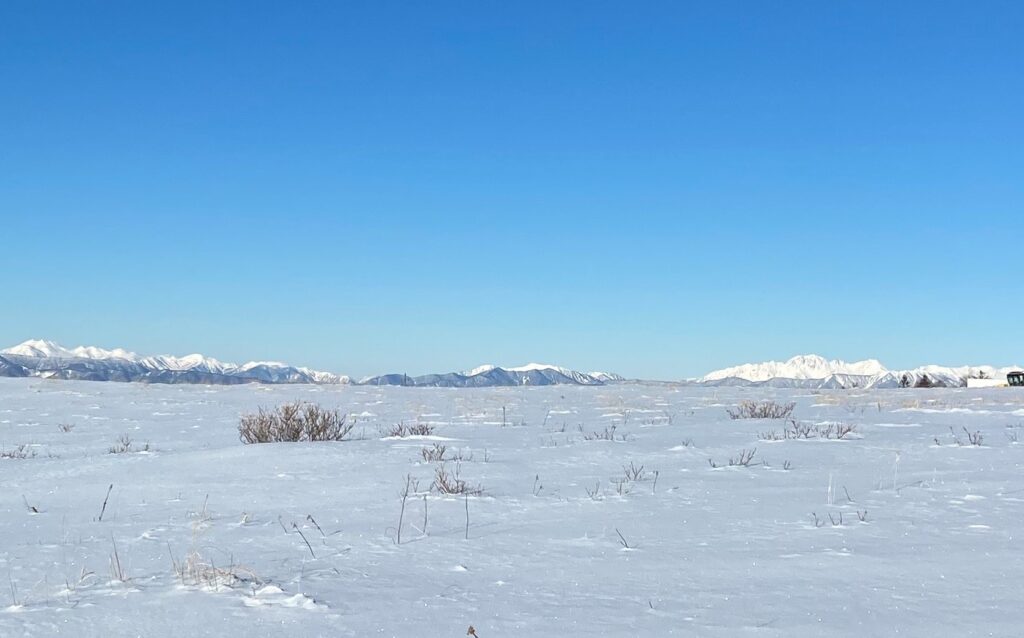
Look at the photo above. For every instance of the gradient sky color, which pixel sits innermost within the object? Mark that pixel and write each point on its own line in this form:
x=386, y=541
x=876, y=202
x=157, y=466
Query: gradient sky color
x=656, y=189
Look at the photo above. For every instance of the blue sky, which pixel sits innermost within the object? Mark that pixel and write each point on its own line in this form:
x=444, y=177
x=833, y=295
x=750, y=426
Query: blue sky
x=657, y=189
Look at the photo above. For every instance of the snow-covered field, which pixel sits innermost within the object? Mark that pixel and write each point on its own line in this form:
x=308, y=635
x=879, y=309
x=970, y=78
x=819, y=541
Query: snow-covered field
x=726, y=551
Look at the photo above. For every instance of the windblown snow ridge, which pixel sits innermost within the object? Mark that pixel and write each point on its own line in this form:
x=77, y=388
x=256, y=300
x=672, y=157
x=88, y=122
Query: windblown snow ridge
x=50, y=360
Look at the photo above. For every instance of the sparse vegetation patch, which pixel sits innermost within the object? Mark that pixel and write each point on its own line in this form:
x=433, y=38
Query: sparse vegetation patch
x=294, y=422
x=761, y=410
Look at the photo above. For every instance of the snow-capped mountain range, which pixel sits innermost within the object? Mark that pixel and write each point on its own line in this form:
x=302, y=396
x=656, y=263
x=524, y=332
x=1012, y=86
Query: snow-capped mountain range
x=489, y=375
x=47, y=359
x=51, y=360
x=813, y=371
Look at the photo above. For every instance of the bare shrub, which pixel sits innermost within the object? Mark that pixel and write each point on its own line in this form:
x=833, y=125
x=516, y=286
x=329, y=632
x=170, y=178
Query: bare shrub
x=744, y=459
x=401, y=430
x=632, y=472
x=608, y=434
x=293, y=422
x=973, y=438
x=451, y=482
x=126, y=445
x=761, y=410
x=421, y=429
x=398, y=430
x=432, y=454
x=66, y=427
x=20, y=452
x=835, y=520
x=838, y=431
x=797, y=430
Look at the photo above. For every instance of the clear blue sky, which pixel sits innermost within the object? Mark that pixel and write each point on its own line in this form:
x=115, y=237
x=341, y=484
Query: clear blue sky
x=657, y=189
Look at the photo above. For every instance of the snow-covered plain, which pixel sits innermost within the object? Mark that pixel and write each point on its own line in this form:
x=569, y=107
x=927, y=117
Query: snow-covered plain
x=727, y=551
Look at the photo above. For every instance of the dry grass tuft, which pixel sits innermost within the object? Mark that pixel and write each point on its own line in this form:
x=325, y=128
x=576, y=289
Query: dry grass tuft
x=434, y=454
x=197, y=571
x=450, y=481
x=401, y=430
x=20, y=452
x=126, y=445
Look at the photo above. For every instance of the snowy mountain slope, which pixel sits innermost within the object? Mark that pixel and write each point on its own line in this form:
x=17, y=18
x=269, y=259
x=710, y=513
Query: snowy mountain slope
x=800, y=367
x=487, y=367
x=815, y=372
x=10, y=369
x=40, y=348
x=51, y=360
x=492, y=376
x=939, y=376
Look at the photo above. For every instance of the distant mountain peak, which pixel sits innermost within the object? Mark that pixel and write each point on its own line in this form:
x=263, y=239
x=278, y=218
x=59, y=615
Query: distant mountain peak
x=52, y=349
x=487, y=367
x=37, y=348
x=805, y=366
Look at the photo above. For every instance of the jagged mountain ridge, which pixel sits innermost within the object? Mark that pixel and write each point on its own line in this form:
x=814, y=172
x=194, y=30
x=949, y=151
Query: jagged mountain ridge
x=491, y=375
x=816, y=372
x=808, y=366
x=50, y=360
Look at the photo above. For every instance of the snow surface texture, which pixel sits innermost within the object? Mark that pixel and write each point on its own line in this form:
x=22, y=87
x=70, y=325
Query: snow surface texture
x=726, y=551
x=813, y=371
